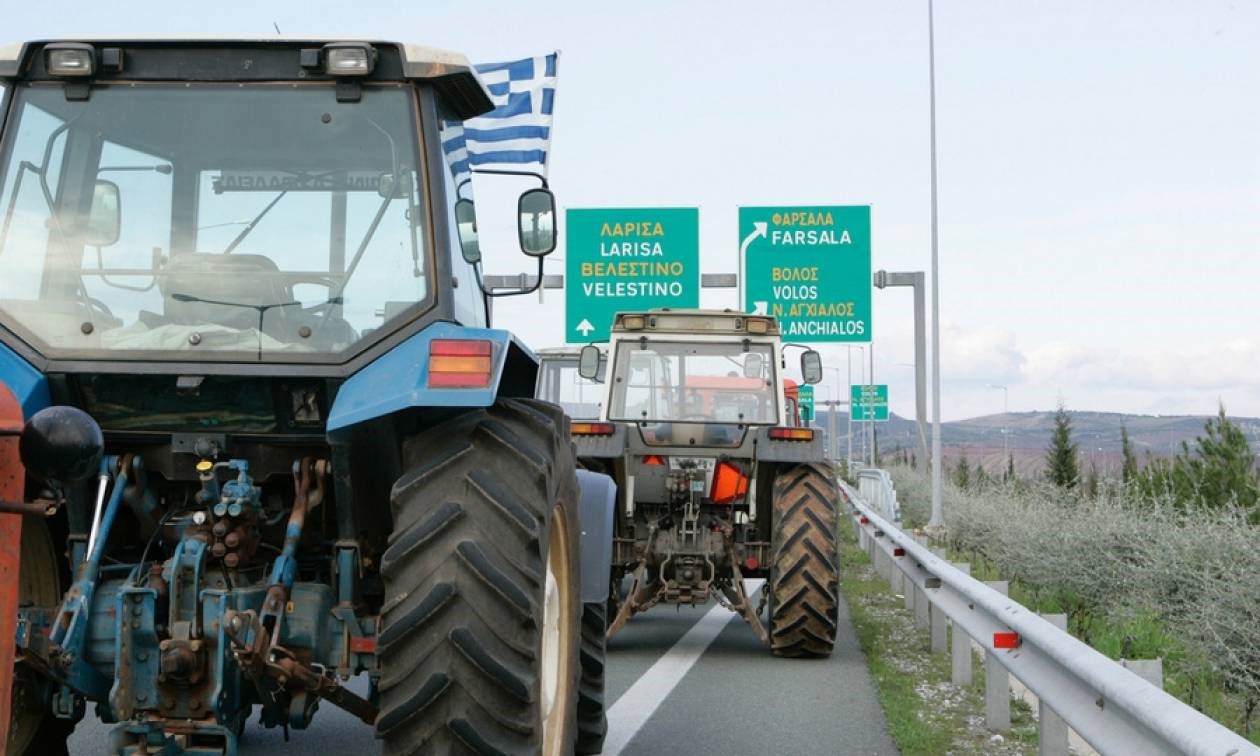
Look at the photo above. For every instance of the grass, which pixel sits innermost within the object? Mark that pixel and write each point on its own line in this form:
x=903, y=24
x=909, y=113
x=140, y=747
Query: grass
x=926, y=713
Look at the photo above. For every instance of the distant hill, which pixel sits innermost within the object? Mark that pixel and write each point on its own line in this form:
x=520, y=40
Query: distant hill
x=1028, y=435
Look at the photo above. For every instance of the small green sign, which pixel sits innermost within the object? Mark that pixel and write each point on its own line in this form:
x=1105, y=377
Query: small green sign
x=629, y=258
x=869, y=402
x=805, y=398
x=810, y=267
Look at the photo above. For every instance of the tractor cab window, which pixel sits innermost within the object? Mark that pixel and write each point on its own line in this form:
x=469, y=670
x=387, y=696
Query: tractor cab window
x=212, y=221
x=559, y=383
x=700, y=382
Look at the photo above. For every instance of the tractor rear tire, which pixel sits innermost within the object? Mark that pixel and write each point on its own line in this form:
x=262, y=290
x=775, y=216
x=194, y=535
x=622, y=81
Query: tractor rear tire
x=592, y=718
x=479, y=644
x=805, y=568
x=31, y=729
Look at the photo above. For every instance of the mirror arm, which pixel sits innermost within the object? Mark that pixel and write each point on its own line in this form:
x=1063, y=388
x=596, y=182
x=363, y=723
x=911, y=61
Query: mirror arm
x=501, y=172
x=512, y=292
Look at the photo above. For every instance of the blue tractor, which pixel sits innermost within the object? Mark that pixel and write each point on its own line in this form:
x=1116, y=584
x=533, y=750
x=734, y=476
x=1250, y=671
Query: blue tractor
x=269, y=440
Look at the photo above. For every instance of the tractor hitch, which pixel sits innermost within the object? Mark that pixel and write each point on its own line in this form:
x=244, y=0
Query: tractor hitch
x=275, y=670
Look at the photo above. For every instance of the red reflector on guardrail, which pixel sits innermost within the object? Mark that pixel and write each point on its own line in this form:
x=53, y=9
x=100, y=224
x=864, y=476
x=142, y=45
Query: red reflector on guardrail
x=898, y=551
x=1006, y=640
x=864, y=520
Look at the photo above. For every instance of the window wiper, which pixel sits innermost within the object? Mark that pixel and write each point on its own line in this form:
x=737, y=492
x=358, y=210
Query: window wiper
x=262, y=309
x=250, y=227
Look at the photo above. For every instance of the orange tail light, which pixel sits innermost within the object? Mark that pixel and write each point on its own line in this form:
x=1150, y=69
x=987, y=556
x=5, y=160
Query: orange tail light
x=729, y=483
x=459, y=363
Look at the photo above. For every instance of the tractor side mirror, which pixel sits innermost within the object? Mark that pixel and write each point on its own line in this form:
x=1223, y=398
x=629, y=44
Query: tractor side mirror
x=811, y=366
x=536, y=211
x=588, y=362
x=466, y=226
x=393, y=186
x=105, y=218
x=61, y=446
x=753, y=365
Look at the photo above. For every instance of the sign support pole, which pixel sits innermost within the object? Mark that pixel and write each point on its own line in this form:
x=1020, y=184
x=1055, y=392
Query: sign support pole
x=849, y=414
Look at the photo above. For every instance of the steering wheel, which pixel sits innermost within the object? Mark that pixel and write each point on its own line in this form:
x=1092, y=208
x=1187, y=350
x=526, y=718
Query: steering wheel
x=97, y=307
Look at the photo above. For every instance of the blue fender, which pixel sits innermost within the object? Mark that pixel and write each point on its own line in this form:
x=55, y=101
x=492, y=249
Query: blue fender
x=27, y=384
x=399, y=379
x=595, y=518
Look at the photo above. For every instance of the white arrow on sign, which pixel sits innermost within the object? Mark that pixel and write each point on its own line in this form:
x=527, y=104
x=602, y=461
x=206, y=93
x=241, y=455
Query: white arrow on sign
x=759, y=230
x=585, y=327
x=760, y=308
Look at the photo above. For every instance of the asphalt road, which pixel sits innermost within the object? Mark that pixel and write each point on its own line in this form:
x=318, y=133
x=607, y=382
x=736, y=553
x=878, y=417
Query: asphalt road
x=686, y=681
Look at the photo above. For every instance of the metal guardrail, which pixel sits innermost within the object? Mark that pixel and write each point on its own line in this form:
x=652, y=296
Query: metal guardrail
x=876, y=489
x=1113, y=709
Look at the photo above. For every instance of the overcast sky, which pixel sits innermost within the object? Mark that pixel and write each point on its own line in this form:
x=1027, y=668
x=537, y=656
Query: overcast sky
x=1099, y=163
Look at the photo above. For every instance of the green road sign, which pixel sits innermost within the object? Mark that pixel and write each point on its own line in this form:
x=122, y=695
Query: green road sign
x=628, y=258
x=810, y=267
x=869, y=401
x=805, y=398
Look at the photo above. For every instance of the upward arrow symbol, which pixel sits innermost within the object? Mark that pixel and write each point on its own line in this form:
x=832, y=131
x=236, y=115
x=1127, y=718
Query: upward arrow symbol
x=584, y=327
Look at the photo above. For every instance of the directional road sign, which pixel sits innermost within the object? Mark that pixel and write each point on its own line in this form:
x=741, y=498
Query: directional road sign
x=805, y=398
x=634, y=258
x=869, y=401
x=810, y=267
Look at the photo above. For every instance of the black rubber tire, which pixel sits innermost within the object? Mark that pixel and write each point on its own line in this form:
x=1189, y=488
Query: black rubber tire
x=38, y=585
x=465, y=580
x=805, y=568
x=592, y=718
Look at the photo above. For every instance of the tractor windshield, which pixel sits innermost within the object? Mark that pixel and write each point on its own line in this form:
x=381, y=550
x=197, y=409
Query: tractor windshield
x=195, y=221
x=701, y=382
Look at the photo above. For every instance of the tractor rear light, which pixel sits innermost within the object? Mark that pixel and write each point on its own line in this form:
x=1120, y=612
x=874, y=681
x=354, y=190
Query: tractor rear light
x=792, y=434
x=592, y=429
x=729, y=483
x=459, y=363
x=751, y=563
x=349, y=59
x=1006, y=640
x=653, y=459
x=362, y=645
x=70, y=59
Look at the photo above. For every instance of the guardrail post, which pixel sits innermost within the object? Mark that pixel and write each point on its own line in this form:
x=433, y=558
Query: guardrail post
x=936, y=616
x=895, y=577
x=922, y=618
x=1052, y=731
x=997, y=681
x=960, y=645
x=1151, y=670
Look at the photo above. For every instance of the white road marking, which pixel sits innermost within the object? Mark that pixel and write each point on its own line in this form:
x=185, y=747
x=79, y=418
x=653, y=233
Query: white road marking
x=636, y=706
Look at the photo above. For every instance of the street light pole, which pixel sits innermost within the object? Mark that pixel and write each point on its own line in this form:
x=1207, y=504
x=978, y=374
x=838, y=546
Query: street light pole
x=834, y=444
x=1006, y=451
x=937, y=520
x=870, y=408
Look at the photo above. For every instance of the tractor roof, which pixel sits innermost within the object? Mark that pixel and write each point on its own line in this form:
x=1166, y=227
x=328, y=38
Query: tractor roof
x=670, y=320
x=450, y=72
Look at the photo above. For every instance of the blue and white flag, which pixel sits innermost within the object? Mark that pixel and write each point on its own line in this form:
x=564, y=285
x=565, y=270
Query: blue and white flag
x=517, y=133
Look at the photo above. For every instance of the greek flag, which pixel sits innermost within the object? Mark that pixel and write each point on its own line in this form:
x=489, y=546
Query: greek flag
x=517, y=133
